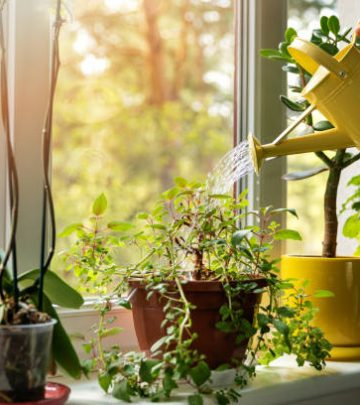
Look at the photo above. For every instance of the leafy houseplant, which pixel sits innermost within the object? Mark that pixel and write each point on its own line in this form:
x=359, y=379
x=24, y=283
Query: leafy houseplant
x=195, y=260
x=327, y=271
x=328, y=38
x=27, y=316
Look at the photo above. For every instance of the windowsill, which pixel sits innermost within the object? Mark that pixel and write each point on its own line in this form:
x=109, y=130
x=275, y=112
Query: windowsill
x=281, y=383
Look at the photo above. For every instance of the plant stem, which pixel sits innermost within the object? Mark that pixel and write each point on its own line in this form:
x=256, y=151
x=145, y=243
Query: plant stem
x=47, y=135
x=330, y=214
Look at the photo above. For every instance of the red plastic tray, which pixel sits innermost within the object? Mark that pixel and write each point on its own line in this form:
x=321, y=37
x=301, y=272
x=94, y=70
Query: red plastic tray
x=55, y=394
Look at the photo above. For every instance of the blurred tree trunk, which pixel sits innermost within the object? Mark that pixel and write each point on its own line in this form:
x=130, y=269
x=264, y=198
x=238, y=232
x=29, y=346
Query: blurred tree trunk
x=179, y=65
x=159, y=89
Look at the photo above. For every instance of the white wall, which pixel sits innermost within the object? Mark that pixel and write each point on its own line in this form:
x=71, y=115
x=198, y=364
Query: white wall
x=349, y=13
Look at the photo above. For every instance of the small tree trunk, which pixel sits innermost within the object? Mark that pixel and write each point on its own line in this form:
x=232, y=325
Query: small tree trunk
x=331, y=221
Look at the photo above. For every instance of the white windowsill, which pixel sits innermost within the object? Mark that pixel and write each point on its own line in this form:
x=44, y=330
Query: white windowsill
x=281, y=383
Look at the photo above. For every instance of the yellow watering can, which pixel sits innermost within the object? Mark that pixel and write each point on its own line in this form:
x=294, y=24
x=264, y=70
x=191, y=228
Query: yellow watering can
x=334, y=90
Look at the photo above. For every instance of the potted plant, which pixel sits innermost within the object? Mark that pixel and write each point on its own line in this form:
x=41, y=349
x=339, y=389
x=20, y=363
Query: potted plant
x=195, y=292
x=327, y=271
x=30, y=329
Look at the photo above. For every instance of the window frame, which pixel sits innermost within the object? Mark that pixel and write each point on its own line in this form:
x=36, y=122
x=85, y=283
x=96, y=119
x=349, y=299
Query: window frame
x=255, y=95
x=28, y=66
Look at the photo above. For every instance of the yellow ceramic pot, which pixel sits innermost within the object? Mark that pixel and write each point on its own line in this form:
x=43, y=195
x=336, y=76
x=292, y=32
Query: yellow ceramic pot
x=339, y=316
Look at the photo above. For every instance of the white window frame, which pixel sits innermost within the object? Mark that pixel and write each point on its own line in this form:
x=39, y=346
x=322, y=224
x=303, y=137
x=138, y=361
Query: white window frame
x=28, y=57
x=257, y=104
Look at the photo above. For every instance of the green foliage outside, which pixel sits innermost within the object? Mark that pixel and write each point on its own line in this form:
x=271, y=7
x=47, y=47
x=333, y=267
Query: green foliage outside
x=162, y=106
x=351, y=227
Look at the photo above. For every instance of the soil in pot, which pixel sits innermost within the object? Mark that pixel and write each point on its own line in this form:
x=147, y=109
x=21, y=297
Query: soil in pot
x=207, y=296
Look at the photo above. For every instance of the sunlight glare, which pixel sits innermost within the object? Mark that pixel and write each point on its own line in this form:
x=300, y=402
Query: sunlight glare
x=83, y=43
x=92, y=65
x=124, y=6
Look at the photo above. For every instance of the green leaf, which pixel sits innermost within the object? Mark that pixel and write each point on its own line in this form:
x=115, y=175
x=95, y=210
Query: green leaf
x=355, y=181
x=323, y=294
x=146, y=374
x=324, y=25
x=2, y=311
x=275, y=54
x=104, y=380
x=142, y=215
x=286, y=312
x=200, y=373
x=125, y=303
x=156, y=346
x=356, y=206
x=333, y=24
x=290, y=35
x=281, y=326
x=121, y=391
x=305, y=174
x=110, y=332
x=120, y=226
x=238, y=236
x=323, y=125
x=352, y=226
x=169, y=384
x=291, y=211
x=293, y=105
x=180, y=182
x=100, y=205
x=70, y=230
x=170, y=194
x=59, y=292
x=62, y=348
x=283, y=234
x=195, y=399
x=330, y=48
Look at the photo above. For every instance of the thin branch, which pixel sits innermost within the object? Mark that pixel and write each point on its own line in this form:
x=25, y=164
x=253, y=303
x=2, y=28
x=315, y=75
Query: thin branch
x=324, y=158
x=352, y=160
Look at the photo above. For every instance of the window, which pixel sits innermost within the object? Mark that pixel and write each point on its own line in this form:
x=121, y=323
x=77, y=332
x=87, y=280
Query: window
x=145, y=93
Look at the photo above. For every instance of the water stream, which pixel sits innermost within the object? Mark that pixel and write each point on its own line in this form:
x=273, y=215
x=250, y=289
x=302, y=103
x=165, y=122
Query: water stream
x=231, y=168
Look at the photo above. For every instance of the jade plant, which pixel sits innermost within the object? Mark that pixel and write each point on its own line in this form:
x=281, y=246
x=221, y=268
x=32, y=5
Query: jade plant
x=330, y=38
x=192, y=236
x=27, y=297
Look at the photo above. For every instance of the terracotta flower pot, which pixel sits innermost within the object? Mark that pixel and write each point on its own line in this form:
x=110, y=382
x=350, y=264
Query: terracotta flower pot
x=208, y=297
x=339, y=316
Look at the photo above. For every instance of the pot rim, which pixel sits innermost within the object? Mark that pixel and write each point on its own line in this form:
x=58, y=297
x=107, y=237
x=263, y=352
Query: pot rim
x=200, y=285
x=321, y=258
x=52, y=322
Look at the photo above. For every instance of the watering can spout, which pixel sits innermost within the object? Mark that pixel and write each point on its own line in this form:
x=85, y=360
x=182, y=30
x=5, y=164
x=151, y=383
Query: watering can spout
x=325, y=140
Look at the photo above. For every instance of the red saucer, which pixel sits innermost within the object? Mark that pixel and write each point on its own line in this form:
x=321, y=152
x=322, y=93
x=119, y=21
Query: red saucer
x=55, y=394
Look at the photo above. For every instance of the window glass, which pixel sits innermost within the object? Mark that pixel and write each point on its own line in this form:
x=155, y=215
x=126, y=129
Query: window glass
x=306, y=196
x=144, y=94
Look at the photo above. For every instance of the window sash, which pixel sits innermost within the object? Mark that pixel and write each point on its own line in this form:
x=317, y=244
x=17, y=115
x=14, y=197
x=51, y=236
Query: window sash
x=28, y=58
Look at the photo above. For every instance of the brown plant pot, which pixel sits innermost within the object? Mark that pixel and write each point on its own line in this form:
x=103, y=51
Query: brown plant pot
x=207, y=296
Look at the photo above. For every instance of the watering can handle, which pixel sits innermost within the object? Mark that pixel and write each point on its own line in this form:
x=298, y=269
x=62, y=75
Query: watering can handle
x=310, y=57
